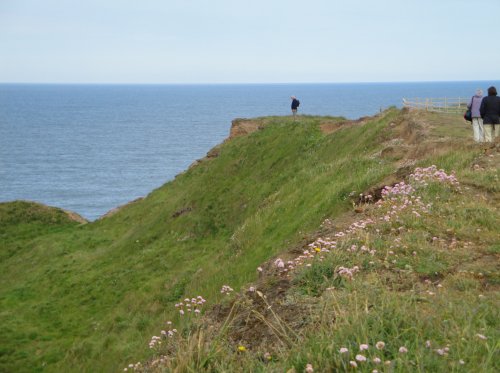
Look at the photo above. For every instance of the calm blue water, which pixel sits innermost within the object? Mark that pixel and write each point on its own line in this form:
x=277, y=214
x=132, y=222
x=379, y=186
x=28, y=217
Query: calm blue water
x=90, y=148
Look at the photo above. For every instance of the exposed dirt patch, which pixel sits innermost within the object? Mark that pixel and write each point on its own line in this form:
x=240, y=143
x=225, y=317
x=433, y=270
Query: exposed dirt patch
x=75, y=217
x=264, y=317
x=243, y=127
x=181, y=212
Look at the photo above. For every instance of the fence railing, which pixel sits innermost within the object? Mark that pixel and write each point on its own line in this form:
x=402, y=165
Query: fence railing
x=452, y=105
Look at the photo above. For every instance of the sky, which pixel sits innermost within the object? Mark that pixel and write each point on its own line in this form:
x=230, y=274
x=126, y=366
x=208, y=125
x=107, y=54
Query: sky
x=256, y=41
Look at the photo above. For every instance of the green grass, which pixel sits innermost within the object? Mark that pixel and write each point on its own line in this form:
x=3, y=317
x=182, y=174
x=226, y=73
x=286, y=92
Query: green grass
x=432, y=280
x=89, y=297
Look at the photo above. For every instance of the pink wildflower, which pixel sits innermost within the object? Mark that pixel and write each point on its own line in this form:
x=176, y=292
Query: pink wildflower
x=360, y=358
x=309, y=368
x=343, y=350
x=403, y=350
x=353, y=364
x=279, y=263
x=226, y=289
x=380, y=345
x=441, y=352
x=363, y=347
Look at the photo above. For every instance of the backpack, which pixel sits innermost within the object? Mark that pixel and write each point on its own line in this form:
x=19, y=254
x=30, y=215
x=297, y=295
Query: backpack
x=298, y=103
x=468, y=113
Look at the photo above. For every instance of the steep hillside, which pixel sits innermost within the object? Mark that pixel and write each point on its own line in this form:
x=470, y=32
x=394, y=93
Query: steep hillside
x=87, y=297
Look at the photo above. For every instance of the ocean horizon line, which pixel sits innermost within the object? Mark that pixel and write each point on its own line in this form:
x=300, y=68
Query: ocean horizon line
x=243, y=83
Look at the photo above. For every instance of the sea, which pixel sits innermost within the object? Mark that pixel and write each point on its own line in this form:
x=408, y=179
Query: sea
x=90, y=148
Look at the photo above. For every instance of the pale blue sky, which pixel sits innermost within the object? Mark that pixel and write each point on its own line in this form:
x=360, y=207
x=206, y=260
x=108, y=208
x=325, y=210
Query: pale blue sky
x=253, y=41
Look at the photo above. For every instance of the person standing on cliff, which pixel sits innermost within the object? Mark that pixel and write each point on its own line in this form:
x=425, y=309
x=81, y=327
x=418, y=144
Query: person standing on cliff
x=295, y=106
x=490, y=112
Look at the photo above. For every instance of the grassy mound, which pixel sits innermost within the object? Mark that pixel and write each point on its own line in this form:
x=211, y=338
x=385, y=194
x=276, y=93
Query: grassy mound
x=88, y=297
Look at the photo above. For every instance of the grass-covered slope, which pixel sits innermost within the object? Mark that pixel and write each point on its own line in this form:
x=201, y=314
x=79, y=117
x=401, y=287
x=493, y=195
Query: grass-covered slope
x=88, y=297
x=406, y=282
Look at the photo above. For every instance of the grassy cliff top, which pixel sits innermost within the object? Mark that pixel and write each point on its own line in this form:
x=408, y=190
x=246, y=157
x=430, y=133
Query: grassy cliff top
x=89, y=297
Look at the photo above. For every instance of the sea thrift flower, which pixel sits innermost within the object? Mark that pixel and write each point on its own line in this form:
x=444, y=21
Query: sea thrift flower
x=259, y=269
x=343, y=350
x=428, y=344
x=309, y=368
x=441, y=352
x=226, y=289
x=279, y=263
x=363, y=347
x=380, y=345
x=377, y=360
x=353, y=364
x=348, y=272
x=461, y=362
x=360, y=358
x=403, y=350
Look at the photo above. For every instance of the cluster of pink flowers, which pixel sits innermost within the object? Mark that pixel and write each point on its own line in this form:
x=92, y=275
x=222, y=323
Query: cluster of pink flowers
x=136, y=366
x=160, y=360
x=279, y=263
x=358, y=225
x=191, y=305
x=363, y=249
x=423, y=175
x=362, y=358
x=323, y=245
x=348, y=272
x=155, y=340
x=226, y=289
x=365, y=197
x=316, y=249
x=396, y=191
x=403, y=199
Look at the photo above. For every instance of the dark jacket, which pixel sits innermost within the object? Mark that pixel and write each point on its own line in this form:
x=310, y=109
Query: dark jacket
x=490, y=110
x=295, y=104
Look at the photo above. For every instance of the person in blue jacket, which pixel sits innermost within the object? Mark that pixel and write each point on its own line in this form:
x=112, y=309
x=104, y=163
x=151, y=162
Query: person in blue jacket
x=295, y=105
